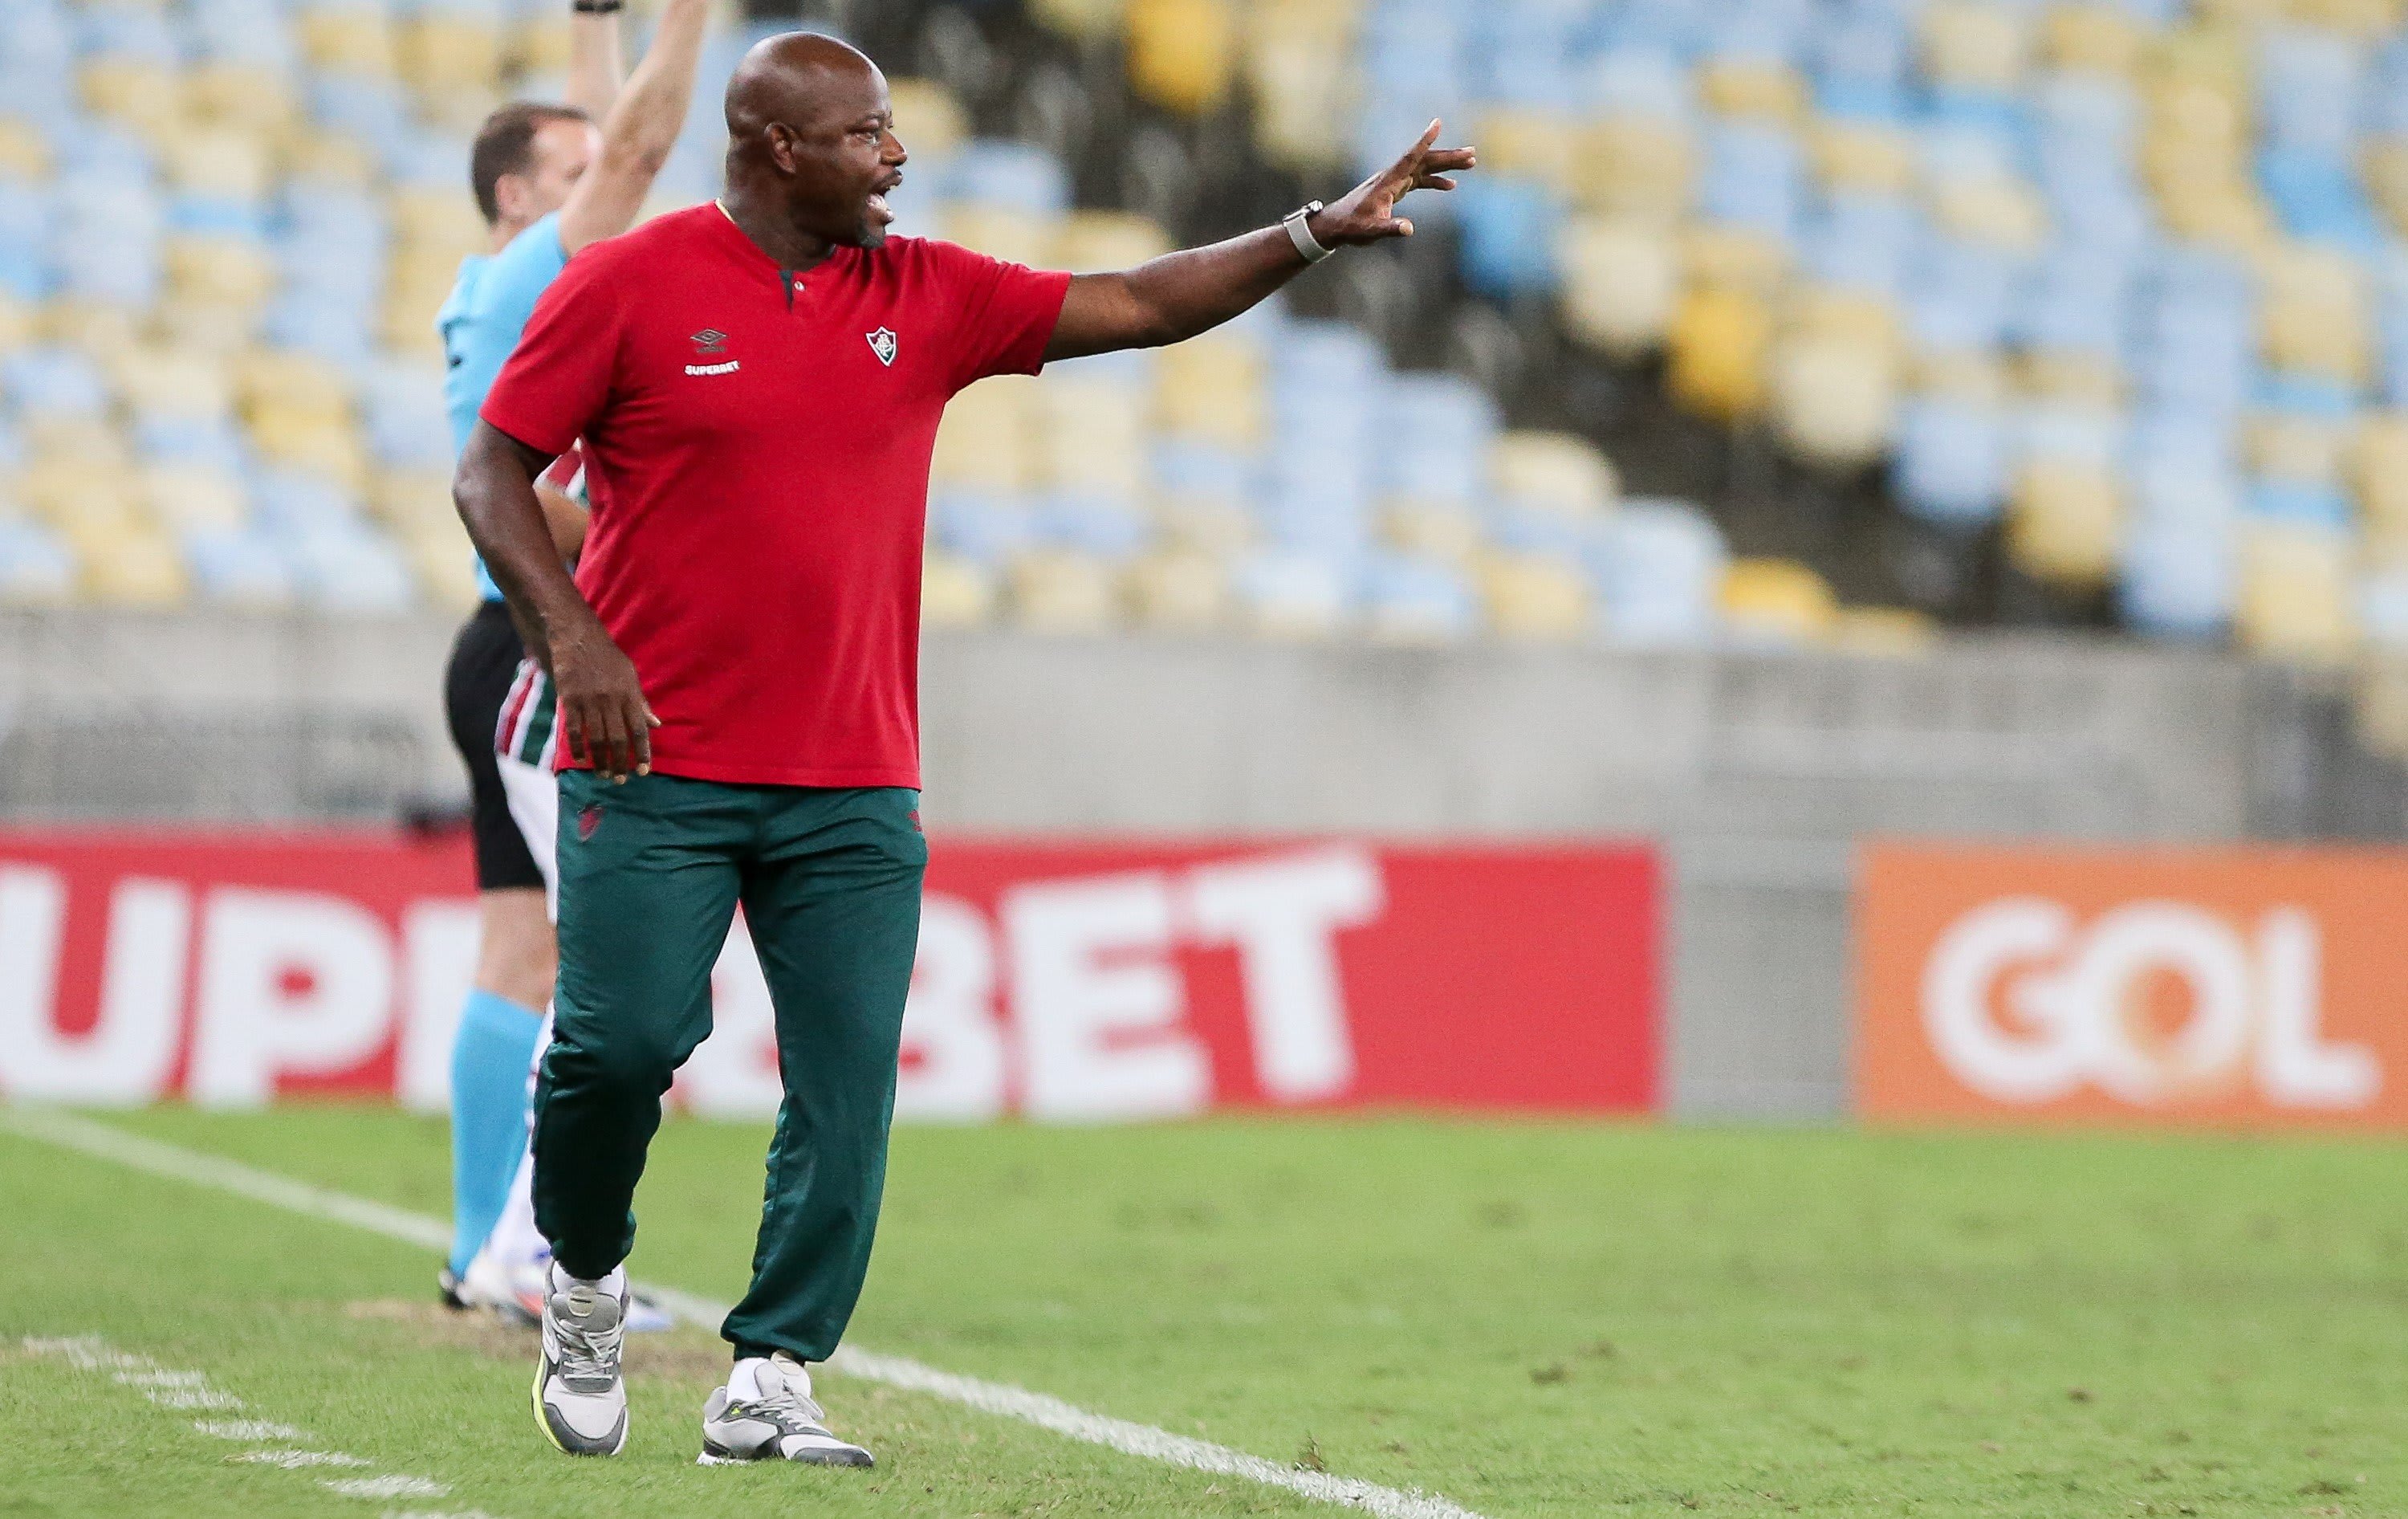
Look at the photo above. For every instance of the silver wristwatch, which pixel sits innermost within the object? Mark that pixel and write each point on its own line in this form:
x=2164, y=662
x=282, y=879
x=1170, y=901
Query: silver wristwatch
x=1300, y=235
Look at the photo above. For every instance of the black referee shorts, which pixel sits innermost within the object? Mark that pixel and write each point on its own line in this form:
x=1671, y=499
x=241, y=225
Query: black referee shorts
x=485, y=661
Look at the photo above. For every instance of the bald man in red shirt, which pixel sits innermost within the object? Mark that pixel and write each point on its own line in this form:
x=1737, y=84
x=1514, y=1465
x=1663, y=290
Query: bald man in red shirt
x=757, y=383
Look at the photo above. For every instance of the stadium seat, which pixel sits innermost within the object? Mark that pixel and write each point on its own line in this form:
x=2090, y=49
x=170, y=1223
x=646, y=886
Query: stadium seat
x=1182, y=53
x=1284, y=594
x=2065, y=523
x=1621, y=283
x=1535, y=596
x=1658, y=567
x=1061, y=591
x=1776, y=602
x=1181, y=589
x=2296, y=598
x=1719, y=343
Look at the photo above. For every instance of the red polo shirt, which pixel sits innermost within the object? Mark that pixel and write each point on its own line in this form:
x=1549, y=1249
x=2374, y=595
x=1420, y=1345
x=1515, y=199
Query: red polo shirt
x=756, y=446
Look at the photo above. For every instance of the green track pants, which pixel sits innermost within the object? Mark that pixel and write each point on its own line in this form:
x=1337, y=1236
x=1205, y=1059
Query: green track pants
x=650, y=873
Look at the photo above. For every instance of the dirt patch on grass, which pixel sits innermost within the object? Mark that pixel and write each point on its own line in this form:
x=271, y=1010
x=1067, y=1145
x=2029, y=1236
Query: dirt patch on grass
x=684, y=1353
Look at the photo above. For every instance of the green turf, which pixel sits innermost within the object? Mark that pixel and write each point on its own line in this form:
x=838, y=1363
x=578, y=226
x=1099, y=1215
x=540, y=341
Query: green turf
x=1528, y=1320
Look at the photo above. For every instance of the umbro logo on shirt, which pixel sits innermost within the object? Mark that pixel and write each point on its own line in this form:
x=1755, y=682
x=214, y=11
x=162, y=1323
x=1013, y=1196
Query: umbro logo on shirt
x=882, y=343
x=710, y=343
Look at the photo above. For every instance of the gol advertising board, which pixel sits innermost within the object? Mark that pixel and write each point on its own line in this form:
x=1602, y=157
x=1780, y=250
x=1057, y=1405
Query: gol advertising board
x=1061, y=982
x=2232, y=987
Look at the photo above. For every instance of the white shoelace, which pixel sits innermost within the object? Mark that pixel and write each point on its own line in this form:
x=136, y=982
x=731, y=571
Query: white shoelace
x=589, y=1355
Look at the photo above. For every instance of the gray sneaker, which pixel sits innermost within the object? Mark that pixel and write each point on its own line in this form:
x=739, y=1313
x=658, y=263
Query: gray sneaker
x=581, y=1398
x=766, y=1414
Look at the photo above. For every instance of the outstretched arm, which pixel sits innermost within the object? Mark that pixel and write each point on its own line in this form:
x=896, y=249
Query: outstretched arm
x=595, y=64
x=604, y=718
x=642, y=126
x=1173, y=297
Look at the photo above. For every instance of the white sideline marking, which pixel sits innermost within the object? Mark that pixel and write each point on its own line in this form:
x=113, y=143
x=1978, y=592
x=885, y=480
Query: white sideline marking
x=191, y=1389
x=996, y=1398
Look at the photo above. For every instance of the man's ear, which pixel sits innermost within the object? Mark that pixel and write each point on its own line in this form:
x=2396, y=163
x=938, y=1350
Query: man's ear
x=510, y=196
x=782, y=145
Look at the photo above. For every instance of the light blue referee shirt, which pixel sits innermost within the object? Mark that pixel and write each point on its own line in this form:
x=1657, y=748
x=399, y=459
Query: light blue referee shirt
x=480, y=323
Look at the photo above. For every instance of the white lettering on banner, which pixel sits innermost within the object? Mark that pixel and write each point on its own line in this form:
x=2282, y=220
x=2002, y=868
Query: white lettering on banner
x=1099, y=1003
x=292, y=982
x=438, y=954
x=2073, y=996
x=124, y=1057
x=953, y=1069
x=1284, y=915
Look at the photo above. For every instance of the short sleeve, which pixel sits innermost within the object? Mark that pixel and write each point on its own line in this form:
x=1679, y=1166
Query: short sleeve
x=561, y=373
x=1003, y=313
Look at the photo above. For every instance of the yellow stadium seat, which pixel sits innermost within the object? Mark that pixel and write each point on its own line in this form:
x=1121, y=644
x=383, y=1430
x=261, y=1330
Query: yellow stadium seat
x=987, y=437
x=146, y=96
x=1061, y=591
x=160, y=381
x=1527, y=143
x=1760, y=89
x=443, y=221
x=2072, y=377
x=308, y=441
x=2296, y=600
x=138, y=570
x=2065, y=521
x=2244, y=13
x=2092, y=39
x=2304, y=451
x=1731, y=258
x=2312, y=314
x=2369, y=18
x=1995, y=211
x=1094, y=434
x=18, y=325
x=1719, y=342
x=930, y=119
x=24, y=153
x=185, y=499
x=1973, y=45
x=1558, y=471
x=2204, y=51
x=1863, y=157
x=1834, y=397
x=291, y=381
x=1206, y=525
x=1973, y=375
x=1621, y=283
x=2380, y=701
x=70, y=490
x=1535, y=596
x=1635, y=167
x=1000, y=232
x=2379, y=470
x=328, y=157
x=1210, y=390
x=350, y=40
x=414, y=501
x=540, y=47
x=254, y=99
x=1182, y=53
x=1185, y=590
x=442, y=561
x=1884, y=632
x=1448, y=532
x=213, y=270
x=441, y=51
x=2385, y=169
x=1777, y=601
x=1095, y=242
x=1830, y=311
x=1299, y=81
x=1087, y=20
x=954, y=591
x=101, y=329
x=222, y=162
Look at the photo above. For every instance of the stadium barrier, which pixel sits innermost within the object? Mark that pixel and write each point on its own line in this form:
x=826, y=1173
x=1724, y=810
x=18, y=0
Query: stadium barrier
x=1064, y=983
x=2235, y=987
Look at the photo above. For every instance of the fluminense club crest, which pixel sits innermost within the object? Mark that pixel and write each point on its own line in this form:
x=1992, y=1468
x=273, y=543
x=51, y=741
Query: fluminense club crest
x=882, y=343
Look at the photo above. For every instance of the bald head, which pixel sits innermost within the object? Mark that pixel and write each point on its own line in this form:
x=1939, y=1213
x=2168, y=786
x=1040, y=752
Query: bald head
x=787, y=77
x=811, y=139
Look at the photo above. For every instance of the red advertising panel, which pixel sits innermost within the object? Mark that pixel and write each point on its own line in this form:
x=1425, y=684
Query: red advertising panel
x=1084, y=982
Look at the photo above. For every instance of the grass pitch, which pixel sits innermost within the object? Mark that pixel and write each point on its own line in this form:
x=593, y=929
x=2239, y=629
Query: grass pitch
x=1526, y=1319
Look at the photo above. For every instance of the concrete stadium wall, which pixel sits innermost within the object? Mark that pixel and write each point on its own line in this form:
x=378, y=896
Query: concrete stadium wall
x=1756, y=771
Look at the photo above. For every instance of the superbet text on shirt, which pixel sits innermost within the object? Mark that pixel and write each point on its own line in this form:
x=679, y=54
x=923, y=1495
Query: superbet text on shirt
x=758, y=444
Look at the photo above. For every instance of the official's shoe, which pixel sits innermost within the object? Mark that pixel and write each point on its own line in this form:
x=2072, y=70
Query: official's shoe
x=580, y=1397
x=447, y=1287
x=766, y=1414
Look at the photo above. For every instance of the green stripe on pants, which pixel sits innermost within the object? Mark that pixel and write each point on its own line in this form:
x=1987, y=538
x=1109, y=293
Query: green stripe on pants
x=650, y=873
